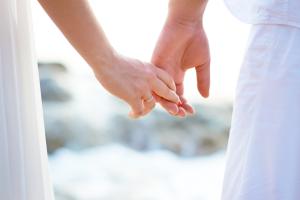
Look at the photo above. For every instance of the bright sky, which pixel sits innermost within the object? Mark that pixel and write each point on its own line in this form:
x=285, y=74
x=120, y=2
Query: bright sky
x=133, y=26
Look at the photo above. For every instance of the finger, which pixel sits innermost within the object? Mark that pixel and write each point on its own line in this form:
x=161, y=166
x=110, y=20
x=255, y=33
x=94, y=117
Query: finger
x=149, y=104
x=170, y=107
x=165, y=77
x=180, y=89
x=164, y=91
x=188, y=108
x=181, y=112
x=203, y=79
x=137, y=108
x=183, y=102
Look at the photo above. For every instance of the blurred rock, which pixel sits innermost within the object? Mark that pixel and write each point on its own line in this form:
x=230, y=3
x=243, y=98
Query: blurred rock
x=201, y=134
x=71, y=132
x=50, y=88
x=65, y=127
x=51, y=91
x=51, y=69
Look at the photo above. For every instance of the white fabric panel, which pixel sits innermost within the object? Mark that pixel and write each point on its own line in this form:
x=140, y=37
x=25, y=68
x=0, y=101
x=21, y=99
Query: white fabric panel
x=263, y=156
x=284, y=12
x=23, y=156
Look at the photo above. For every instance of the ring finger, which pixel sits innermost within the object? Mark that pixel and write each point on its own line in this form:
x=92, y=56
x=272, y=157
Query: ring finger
x=149, y=103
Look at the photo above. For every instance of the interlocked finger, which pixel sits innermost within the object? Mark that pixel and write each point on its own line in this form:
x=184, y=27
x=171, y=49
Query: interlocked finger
x=166, y=78
x=162, y=90
x=149, y=99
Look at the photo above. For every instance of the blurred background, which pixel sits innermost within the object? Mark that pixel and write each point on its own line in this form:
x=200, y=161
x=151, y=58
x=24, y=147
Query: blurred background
x=96, y=152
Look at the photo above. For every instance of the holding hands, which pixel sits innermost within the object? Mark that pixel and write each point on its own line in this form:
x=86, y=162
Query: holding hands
x=182, y=45
x=136, y=82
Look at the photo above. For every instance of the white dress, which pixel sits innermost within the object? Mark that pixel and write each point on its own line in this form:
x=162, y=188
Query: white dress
x=263, y=156
x=23, y=156
x=281, y=12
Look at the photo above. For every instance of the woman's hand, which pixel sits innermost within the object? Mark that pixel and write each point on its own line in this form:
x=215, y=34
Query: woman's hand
x=136, y=82
x=129, y=79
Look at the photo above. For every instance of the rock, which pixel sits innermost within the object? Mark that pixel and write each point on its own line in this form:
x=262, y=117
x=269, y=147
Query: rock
x=51, y=69
x=64, y=125
x=51, y=91
x=71, y=132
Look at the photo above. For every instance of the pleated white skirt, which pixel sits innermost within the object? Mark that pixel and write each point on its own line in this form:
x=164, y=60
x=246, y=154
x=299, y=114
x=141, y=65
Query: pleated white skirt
x=263, y=157
x=23, y=156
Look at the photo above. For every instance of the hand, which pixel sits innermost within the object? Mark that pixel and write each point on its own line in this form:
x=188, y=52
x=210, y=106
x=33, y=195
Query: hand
x=136, y=82
x=183, y=45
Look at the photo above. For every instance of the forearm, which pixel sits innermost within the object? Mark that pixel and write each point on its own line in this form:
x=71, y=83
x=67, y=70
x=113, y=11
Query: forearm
x=186, y=11
x=75, y=19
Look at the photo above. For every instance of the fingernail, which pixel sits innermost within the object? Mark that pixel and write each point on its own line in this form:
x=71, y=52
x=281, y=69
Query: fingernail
x=177, y=98
x=173, y=111
x=205, y=94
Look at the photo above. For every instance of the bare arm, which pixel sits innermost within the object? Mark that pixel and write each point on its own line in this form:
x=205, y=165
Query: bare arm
x=77, y=22
x=187, y=10
x=129, y=79
x=183, y=45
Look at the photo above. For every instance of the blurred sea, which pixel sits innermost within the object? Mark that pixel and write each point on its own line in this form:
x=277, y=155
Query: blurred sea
x=115, y=172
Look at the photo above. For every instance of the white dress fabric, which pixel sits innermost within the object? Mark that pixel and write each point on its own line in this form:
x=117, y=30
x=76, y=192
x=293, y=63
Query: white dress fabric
x=263, y=156
x=285, y=12
x=23, y=156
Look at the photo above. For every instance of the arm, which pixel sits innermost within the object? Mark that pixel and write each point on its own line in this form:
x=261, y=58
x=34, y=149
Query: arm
x=187, y=11
x=183, y=45
x=129, y=79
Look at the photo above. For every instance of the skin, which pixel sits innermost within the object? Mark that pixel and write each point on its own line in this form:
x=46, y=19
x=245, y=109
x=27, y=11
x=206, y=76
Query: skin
x=129, y=79
x=183, y=45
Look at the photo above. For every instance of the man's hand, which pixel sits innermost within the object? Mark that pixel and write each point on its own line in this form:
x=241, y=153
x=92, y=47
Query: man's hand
x=183, y=45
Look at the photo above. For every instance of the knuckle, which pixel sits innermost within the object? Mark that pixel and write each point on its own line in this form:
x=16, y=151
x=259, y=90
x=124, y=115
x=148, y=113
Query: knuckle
x=137, y=95
x=170, y=79
x=142, y=88
x=138, y=89
x=163, y=73
x=150, y=75
x=168, y=92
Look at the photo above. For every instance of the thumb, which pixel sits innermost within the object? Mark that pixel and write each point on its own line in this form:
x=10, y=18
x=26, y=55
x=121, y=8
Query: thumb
x=203, y=79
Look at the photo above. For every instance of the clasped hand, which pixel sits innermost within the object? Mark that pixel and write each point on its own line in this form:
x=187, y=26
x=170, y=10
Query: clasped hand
x=181, y=46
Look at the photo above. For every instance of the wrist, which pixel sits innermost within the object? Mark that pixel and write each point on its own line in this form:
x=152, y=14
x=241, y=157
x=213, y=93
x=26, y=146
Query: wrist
x=104, y=61
x=186, y=12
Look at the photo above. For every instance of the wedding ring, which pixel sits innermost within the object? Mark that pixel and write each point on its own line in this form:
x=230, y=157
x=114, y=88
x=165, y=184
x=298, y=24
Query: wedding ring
x=149, y=99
